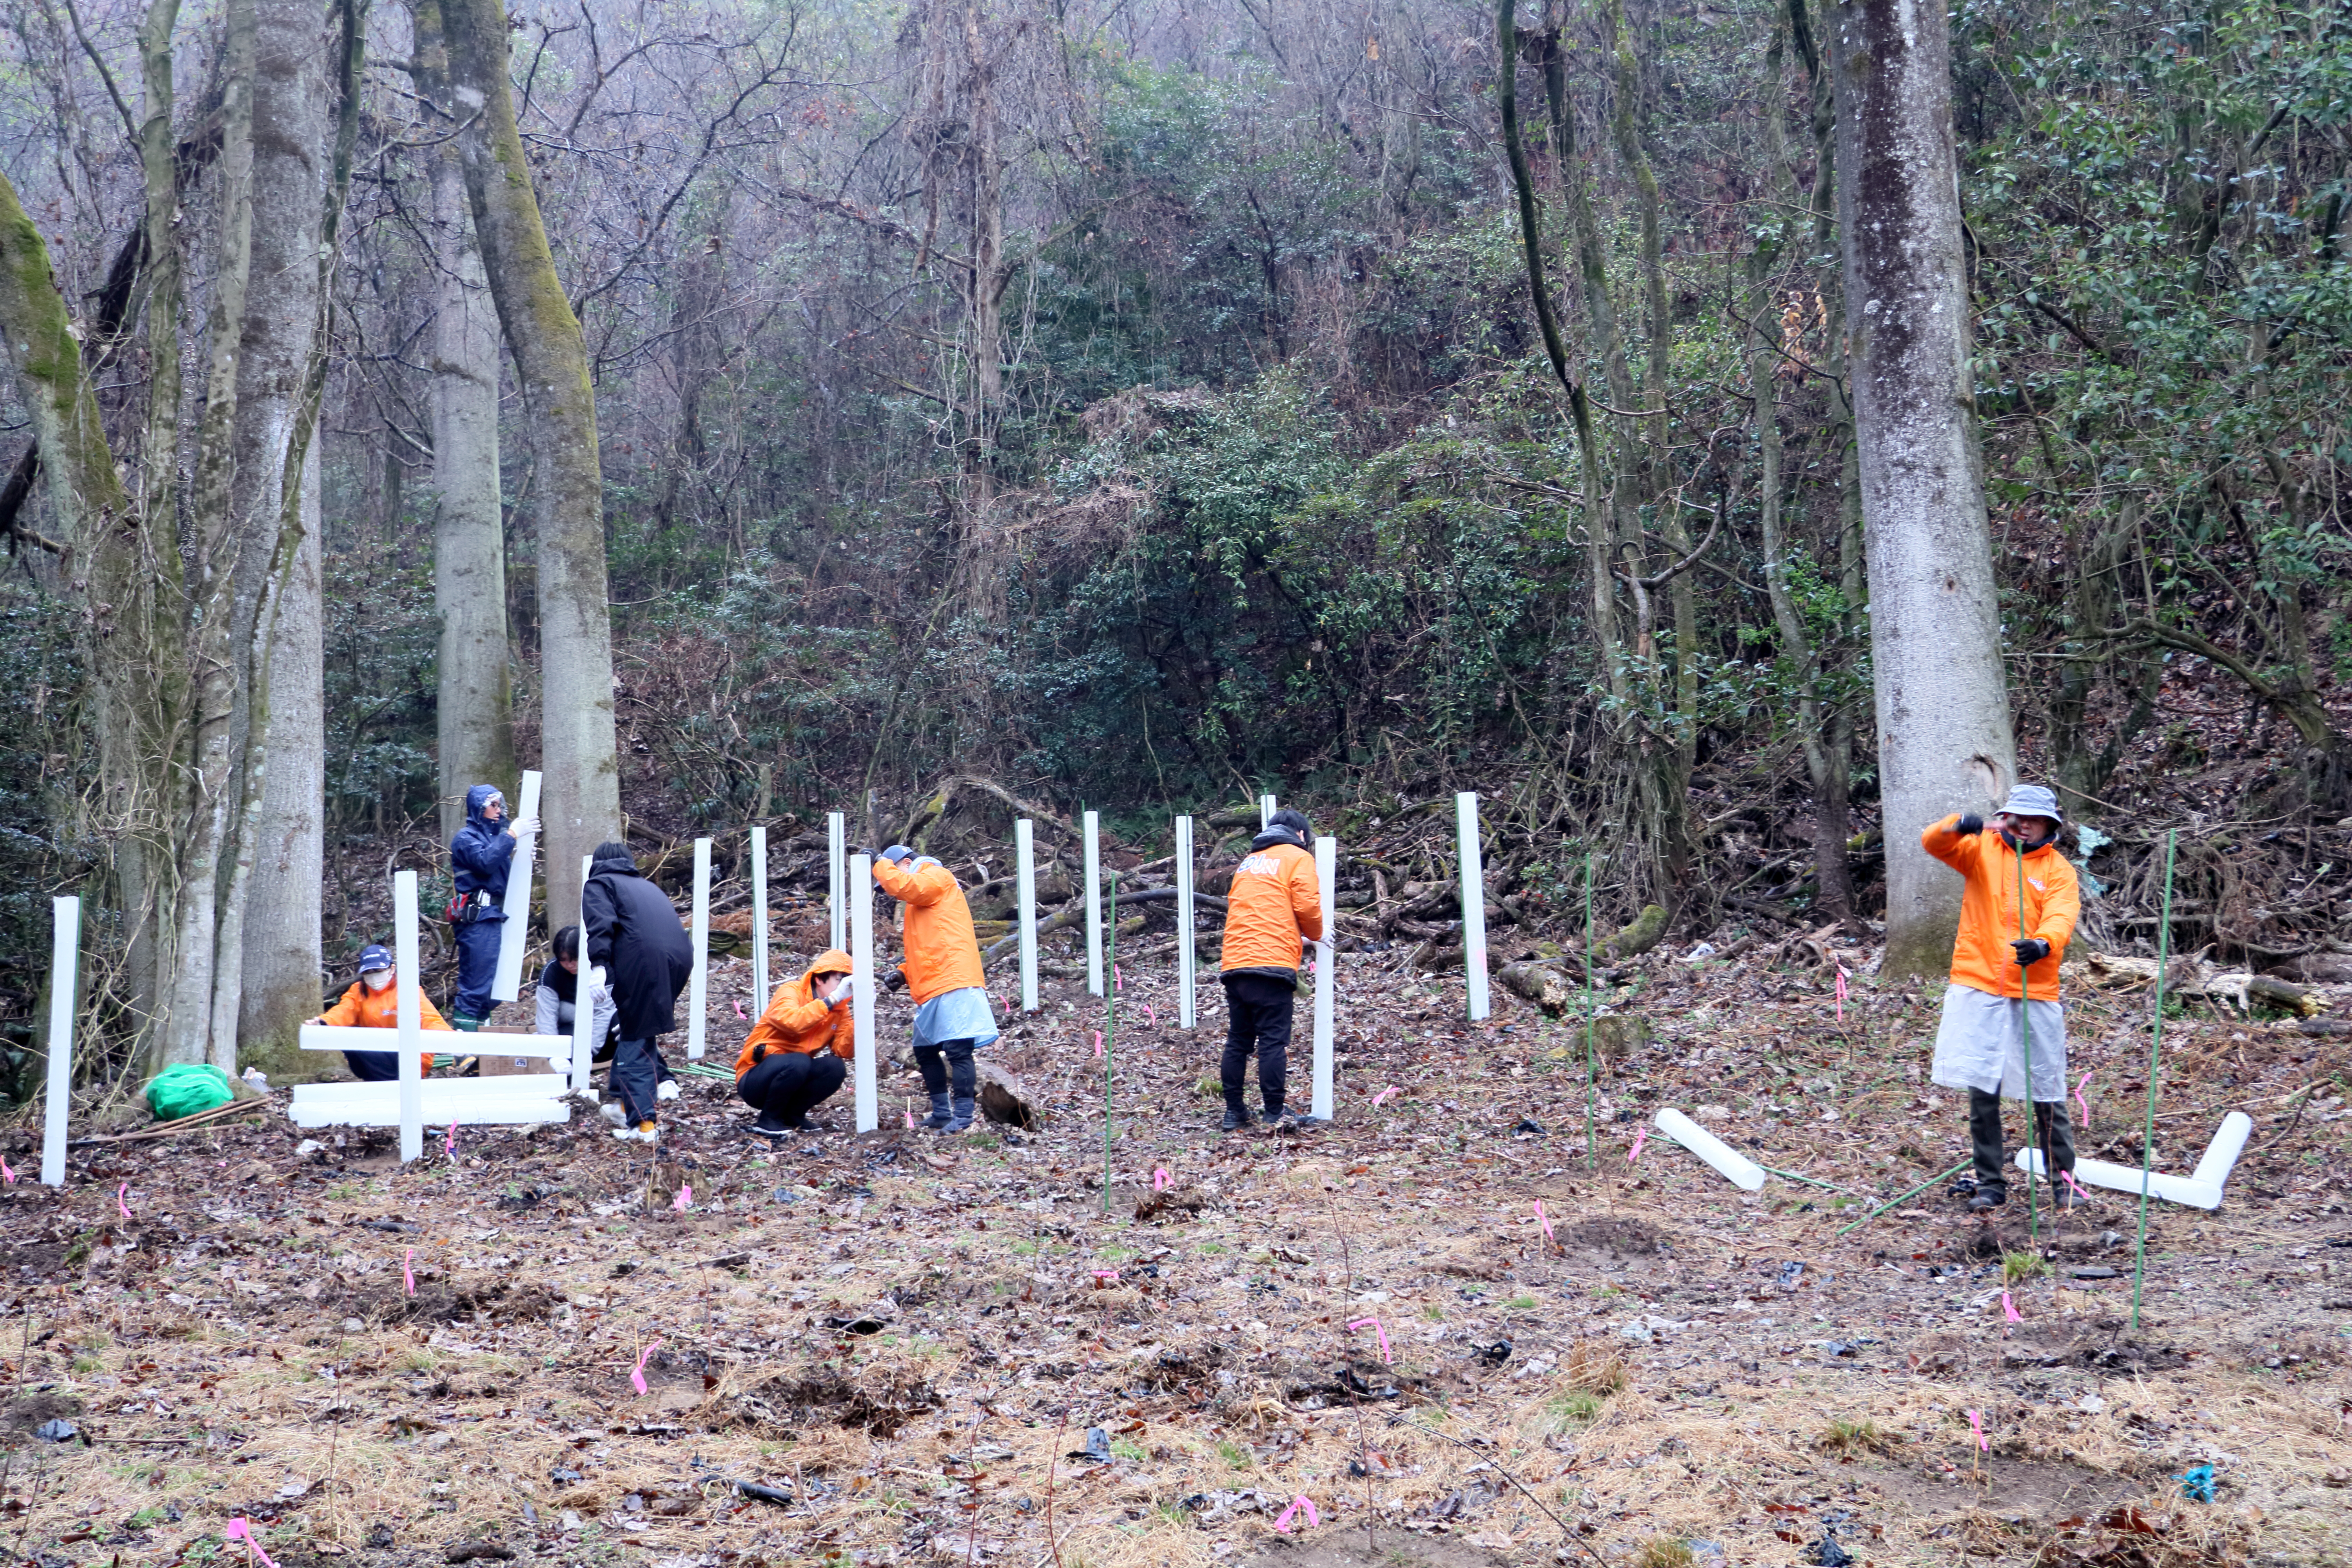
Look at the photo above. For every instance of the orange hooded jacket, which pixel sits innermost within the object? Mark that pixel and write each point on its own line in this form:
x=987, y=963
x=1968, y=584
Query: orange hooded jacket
x=1275, y=902
x=797, y=1022
x=942, y=953
x=1982, y=959
x=363, y=1008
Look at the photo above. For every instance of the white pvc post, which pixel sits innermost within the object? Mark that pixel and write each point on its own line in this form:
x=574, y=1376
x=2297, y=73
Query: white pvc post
x=1474, y=903
x=1266, y=809
x=65, y=977
x=837, y=834
x=1025, y=852
x=583, y=1043
x=697, y=989
x=861, y=981
x=515, y=935
x=1735, y=1167
x=758, y=920
x=1093, y=905
x=1327, y=974
x=1184, y=979
x=409, y=1015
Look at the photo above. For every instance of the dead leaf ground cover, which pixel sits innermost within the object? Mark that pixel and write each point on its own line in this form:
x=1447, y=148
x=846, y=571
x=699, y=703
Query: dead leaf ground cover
x=908, y=1341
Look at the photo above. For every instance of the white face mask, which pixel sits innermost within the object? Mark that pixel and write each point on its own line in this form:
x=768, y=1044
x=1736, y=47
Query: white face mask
x=377, y=979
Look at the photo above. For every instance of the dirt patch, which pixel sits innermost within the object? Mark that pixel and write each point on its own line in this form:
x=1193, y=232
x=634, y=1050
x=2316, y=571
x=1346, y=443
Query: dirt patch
x=2001, y=1484
x=1338, y=1548
x=1614, y=1237
x=28, y=1411
x=879, y=1399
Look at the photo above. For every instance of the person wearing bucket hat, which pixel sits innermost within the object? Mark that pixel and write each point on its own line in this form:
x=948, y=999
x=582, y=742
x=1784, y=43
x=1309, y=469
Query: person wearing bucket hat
x=2016, y=912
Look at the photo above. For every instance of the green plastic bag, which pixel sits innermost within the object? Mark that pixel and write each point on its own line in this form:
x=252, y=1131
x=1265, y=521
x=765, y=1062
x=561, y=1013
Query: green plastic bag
x=185, y=1087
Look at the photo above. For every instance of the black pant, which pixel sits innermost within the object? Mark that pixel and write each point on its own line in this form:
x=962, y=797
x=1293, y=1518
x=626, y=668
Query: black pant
x=604, y=1053
x=956, y=1074
x=373, y=1066
x=1257, y=1020
x=788, y=1085
x=636, y=1078
x=2050, y=1135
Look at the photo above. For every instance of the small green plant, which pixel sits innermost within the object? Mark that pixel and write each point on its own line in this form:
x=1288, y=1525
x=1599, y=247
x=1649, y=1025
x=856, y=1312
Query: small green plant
x=1851, y=1438
x=1233, y=1454
x=2016, y=1267
x=1211, y=1248
x=86, y=1363
x=145, y=1519
x=1520, y=1304
x=1128, y=1450
x=1434, y=1312
x=1664, y=1552
x=1577, y=1407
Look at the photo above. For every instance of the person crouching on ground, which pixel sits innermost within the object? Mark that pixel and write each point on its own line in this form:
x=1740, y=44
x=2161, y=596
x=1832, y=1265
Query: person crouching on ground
x=372, y=1002
x=793, y=1059
x=633, y=930
x=943, y=974
x=559, y=988
x=1274, y=909
x=479, y=857
x=1980, y=1044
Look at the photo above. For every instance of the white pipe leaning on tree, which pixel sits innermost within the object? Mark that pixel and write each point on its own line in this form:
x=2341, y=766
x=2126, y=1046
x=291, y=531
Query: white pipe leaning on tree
x=861, y=983
x=1474, y=904
x=1093, y=905
x=65, y=971
x=583, y=990
x=515, y=935
x=1266, y=807
x=408, y=1013
x=836, y=828
x=758, y=920
x=697, y=992
x=1025, y=852
x=1327, y=976
x=1184, y=965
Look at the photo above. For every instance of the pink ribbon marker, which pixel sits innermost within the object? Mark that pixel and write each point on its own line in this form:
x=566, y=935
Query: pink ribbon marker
x=118, y=1199
x=910, y=1113
x=1545, y=1223
x=2009, y=1309
x=5, y=1172
x=1282, y=1520
x=1149, y=1017
x=240, y=1531
x=685, y=1199
x=739, y=1010
x=1841, y=993
x=1161, y=1180
x=451, y=1148
x=1641, y=1136
x=2071, y=1182
x=1374, y=1324
x=1976, y=1419
x=1105, y=1277
x=1097, y=1042
x=1384, y=1094
x=638, y=1377
x=408, y=1258
x=1116, y=983
x=2083, y=1103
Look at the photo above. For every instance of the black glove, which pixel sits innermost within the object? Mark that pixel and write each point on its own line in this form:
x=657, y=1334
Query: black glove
x=2029, y=949
x=1968, y=825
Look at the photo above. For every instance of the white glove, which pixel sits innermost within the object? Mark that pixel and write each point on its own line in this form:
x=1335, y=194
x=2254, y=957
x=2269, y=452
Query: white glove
x=526, y=828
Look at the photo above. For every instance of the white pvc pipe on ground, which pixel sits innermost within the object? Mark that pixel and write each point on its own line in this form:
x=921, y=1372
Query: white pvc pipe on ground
x=408, y=1013
x=758, y=920
x=1474, y=904
x=1184, y=964
x=1093, y=905
x=698, y=987
x=583, y=985
x=1742, y=1171
x=515, y=935
x=1326, y=975
x=2221, y=1154
x=1025, y=851
x=861, y=981
x=65, y=981
x=2201, y=1190
x=836, y=828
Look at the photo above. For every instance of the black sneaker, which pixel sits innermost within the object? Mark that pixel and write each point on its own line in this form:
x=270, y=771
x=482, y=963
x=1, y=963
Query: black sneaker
x=1236, y=1120
x=771, y=1125
x=1985, y=1202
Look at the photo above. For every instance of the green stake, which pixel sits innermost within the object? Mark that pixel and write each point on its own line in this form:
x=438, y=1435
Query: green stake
x=2155, y=1054
x=1591, y=1148
x=2025, y=1023
x=1110, y=1028
x=1912, y=1194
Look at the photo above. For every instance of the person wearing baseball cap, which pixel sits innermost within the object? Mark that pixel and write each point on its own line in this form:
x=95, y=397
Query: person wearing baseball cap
x=2005, y=977
x=372, y=1002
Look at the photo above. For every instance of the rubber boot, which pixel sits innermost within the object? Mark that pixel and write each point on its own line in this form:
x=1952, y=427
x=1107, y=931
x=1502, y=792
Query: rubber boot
x=465, y=1023
x=941, y=1115
x=961, y=1119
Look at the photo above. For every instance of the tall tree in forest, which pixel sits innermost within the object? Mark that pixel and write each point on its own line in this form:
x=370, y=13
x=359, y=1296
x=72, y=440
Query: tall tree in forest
x=473, y=696
x=1944, y=738
x=582, y=803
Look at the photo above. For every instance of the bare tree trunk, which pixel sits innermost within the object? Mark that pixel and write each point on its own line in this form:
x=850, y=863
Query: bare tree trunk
x=582, y=804
x=475, y=700
x=1944, y=737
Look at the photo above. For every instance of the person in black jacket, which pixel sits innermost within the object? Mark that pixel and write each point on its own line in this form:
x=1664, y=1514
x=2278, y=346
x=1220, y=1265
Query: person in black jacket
x=633, y=930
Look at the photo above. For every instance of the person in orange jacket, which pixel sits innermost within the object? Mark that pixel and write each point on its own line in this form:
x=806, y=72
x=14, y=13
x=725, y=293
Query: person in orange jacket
x=793, y=1059
x=372, y=1002
x=2003, y=981
x=952, y=1019
x=1273, y=908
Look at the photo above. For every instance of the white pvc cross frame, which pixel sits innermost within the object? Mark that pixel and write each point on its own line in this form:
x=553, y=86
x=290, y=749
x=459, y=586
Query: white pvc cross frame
x=699, y=986
x=1093, y=905
x=1184, y=963
x=409, y=1012
x=65, y=970
x=758, y=920
x=1474, y=903
x=861, y=983
x=515, y=935
x=1024, y=854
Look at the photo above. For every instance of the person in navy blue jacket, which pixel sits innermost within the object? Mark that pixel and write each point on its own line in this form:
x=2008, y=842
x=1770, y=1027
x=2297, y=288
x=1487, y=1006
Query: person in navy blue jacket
x=479, y=857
